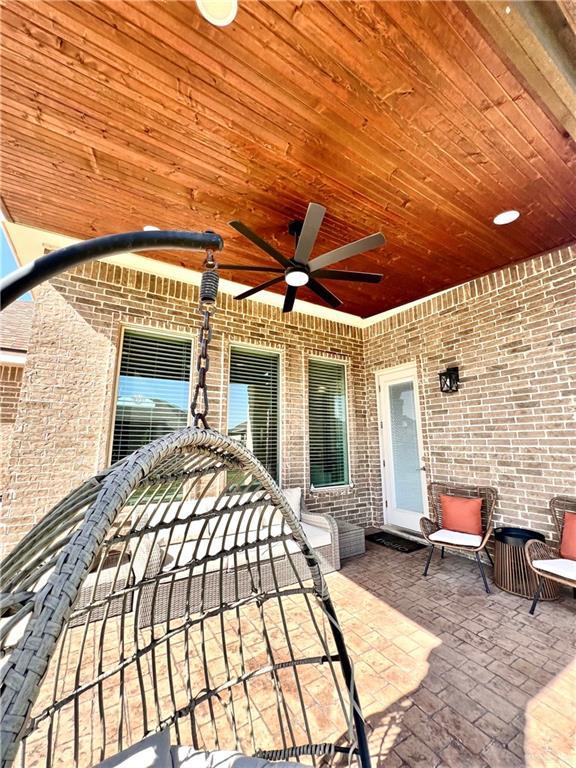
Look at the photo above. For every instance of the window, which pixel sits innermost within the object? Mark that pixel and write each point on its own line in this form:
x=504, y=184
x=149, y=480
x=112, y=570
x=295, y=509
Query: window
x=153, y=390
x=253, y=404
x=327, y=423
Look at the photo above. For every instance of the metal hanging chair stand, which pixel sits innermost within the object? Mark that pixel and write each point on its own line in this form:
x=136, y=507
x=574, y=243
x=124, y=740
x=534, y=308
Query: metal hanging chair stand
x=168, y=592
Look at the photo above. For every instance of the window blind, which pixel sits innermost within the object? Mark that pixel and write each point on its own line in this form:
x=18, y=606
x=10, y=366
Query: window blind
x=153, y=390
x=327, y=419
x=253, y=404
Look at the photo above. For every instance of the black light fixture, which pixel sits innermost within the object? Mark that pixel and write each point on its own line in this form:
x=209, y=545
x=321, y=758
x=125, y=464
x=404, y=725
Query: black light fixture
x=449, y=380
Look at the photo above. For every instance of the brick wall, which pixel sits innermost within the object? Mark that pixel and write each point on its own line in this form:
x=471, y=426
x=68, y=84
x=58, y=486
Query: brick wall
x=10, y=383
x=64, y=420
x=512, y=425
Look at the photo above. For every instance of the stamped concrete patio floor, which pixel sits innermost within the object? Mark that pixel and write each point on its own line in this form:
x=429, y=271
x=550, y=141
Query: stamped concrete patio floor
x=451, y=676
x=447, y=675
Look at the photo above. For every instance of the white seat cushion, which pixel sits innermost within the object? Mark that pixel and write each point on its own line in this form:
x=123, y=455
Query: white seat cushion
x=294, y=498
x=444, y=536
x=151, y=752
x=180, y=555
x=566, y=569
x=317, y=536
x=250, y=524
x=188, y=757
x=265, y=552
x=169, y=512
x=105, y=577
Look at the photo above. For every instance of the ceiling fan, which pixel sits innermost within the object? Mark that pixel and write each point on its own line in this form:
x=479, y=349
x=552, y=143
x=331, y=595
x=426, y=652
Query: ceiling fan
x=299, y=270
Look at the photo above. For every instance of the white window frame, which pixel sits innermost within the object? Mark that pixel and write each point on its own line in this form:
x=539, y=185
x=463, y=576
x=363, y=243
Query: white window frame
x=346, y=365
x=280, y=353
x=165, y=333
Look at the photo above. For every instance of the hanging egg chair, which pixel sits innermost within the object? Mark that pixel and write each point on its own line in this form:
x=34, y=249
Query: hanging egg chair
x=175, y=595
x=170, y=613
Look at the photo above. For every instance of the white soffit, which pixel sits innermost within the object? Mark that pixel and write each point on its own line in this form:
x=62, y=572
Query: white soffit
x=30, y=243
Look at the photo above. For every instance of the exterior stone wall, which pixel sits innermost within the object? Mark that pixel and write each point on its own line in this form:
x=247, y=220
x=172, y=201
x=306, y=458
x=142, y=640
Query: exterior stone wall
x=10, y=383
x=512, y=424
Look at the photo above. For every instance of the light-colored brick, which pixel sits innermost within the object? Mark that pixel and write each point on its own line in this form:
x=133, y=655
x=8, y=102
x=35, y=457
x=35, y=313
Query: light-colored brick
x=511, y=425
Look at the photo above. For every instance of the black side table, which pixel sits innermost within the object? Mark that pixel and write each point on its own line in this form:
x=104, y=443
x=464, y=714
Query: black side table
x=511, y=571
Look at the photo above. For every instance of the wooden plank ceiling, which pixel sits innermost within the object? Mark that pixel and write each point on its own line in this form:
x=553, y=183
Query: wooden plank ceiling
x=403, y=117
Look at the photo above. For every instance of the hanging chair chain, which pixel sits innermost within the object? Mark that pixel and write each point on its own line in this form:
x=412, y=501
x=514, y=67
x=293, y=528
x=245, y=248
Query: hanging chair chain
x=208, y=294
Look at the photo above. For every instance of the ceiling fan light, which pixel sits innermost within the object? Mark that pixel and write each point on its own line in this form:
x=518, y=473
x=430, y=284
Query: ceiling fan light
x=296, y=277
x=218, y=12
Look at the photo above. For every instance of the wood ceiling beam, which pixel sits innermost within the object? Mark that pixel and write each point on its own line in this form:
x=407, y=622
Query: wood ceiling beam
x=539, y=40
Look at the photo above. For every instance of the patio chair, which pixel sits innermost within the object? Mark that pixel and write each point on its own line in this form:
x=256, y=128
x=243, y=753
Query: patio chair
x=436, y=535
x=548, y=560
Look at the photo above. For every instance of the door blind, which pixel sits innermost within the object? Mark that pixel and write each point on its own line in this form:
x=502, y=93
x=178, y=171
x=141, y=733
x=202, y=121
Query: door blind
x=253, y=404
x=328, y=428
x=153, y=390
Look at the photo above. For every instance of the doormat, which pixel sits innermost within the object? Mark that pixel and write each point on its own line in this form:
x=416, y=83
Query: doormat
x=394, y=542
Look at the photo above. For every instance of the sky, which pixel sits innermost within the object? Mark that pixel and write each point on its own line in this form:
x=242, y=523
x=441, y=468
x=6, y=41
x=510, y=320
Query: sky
x=7, y=261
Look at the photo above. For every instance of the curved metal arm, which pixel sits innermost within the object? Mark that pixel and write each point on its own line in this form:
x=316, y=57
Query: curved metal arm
x=22, y=280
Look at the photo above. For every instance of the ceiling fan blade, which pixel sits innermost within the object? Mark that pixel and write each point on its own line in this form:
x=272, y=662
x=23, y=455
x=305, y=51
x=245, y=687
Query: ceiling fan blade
x=346, y=251
x=289, y=299
x=310, y=229
x=261, y=287
x=262, y=244
x=248, y=268
x=353, y=277
x=324, y=293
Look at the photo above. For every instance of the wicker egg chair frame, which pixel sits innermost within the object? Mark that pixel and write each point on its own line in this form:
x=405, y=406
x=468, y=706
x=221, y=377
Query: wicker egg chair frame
x=167, y=592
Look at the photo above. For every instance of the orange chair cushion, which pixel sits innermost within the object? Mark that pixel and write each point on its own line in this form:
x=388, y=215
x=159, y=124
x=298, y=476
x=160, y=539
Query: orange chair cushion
x=461, y=514
x=568, y=543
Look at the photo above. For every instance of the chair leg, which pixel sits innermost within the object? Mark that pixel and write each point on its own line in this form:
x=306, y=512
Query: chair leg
x=537, y=595
x=489, y=558
x=481, y=567
x=428, y=560
x=442, y=554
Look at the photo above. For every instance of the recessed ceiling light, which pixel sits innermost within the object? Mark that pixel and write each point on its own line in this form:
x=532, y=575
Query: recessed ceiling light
x=150, y=228
x=506, y=217
x=218, y=12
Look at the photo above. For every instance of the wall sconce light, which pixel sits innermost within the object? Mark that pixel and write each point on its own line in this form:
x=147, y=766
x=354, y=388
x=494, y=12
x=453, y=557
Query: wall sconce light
x=449, y=380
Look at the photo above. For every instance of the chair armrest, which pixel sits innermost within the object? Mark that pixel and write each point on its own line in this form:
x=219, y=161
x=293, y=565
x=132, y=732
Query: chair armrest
x=323, y=520
x=538, y=550
x=428, y=526
x=147, y=557
x=486, y=536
